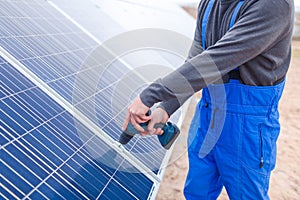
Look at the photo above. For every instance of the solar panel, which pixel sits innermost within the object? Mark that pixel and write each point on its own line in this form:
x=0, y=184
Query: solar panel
x=61, y=110
x=44, y=157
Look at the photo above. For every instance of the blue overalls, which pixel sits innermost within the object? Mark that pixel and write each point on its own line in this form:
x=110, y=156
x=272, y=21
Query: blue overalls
x=244, y=151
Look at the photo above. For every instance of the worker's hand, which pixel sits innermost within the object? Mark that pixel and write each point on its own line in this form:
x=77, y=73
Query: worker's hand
x=159, y=115
x=136, y=114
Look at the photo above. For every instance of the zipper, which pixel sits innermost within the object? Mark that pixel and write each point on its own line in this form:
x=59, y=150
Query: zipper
x=261, y=164
x=213, y=118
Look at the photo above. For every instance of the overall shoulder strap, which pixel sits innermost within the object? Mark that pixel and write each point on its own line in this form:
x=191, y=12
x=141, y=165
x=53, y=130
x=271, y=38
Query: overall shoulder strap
x=233, y=19
x=235, y=12
x=204, y=22
x=206, y=16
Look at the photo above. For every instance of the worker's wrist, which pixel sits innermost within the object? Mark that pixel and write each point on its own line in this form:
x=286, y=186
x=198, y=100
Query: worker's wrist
x=144, y=100
x=160, y=106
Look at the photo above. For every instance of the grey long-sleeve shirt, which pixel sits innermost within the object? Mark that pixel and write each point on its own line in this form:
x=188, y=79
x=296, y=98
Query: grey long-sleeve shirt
x=259, y=44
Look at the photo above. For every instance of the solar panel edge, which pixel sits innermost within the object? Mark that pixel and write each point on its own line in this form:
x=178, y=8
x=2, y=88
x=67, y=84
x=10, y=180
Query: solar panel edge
x=79, y=116
x=162, y=169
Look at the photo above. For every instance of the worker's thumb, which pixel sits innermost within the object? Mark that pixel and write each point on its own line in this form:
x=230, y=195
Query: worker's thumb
x=151, y=129
x=158, y=116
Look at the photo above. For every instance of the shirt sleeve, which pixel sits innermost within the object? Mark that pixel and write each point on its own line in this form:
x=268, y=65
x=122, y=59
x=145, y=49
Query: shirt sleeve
x=259, y=27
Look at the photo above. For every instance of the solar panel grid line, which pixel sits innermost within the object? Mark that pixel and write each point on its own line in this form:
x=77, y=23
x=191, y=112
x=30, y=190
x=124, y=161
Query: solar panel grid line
x=14, y=122
x=24, y=140
x=10, y=94
x=74, y=22
x=55, y=171
x=58, y=158
x=39, y=35
x=21, y=163
x=48, y=120
x=19, y=23
x=35, y=127
x=151, y=151
x=26, y=166
x=117, y=182
x=14, y=98
x=48, y=160
x=55, y=54
x=74, y=74
x=77, y=114
x=43, y=121
x=22, y=117
x=29, y=10
x=98, y=197
x=65, y=62
x=47, y=45
x=96, y=93
x=8, y=132
x=38, y=57
x=112, y=177
x=95, y=39
x=2, y=131
x=20, y=176
x=9, y=191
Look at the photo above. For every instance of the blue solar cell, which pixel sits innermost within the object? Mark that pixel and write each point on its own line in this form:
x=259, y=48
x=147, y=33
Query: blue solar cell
x=140, y=187
x=116, y=192
x=15, y=181
x=37, y=195
x=11, y=156
x=14, y=128
x=14, y=191
x=11, y=80
x=44, y=156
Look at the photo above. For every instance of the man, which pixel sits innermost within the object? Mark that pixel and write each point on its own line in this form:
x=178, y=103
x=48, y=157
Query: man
x=240, y=56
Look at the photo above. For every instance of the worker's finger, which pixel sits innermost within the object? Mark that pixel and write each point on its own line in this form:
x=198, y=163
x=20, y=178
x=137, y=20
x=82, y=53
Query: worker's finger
x=136, y=125
x=141, y=118
x=144, y=133
x=150, y=127
x=159, y=131
x=126, y=121
x=144, y=118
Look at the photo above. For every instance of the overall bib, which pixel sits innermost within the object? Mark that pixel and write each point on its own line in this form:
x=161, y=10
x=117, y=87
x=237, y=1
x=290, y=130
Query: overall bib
x=232, y=138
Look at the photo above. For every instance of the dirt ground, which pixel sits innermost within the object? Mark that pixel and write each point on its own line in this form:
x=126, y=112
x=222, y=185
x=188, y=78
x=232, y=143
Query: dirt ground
x=285, y=179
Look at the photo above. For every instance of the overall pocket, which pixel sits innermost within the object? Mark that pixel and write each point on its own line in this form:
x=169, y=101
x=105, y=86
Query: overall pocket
x=259, y=145
x=198, y=127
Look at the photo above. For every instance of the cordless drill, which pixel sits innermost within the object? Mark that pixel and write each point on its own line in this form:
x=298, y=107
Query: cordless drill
x=171, y=132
